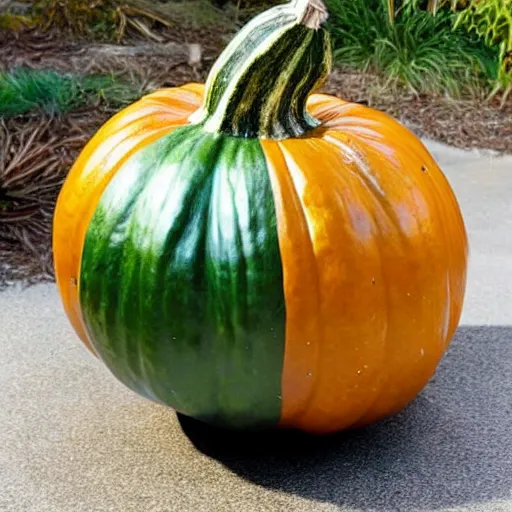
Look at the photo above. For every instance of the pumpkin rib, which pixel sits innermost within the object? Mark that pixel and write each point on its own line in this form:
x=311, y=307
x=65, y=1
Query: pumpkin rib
x=339, y=175
x=145, y=269
x=315, y=414
x=102, y=155
x=295, y=173
x=456, y=218
x=294, y=238
x=436, y=216
x=375, y=193
x=321, y=342
x=377, y=196
x=375, y=140
x=438, y=199
x=69, y=278
x=144, y=139
x=452, y=315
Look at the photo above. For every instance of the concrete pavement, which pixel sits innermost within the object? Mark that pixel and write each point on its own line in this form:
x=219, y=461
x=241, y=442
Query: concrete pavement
x=73, y=439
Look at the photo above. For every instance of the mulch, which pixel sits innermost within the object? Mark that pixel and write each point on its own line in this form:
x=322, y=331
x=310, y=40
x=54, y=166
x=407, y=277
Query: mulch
x=25, y=248
x=464, y=123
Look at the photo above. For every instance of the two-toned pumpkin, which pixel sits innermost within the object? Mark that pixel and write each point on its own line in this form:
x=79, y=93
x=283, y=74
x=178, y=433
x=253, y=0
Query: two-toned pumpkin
x=254, y=255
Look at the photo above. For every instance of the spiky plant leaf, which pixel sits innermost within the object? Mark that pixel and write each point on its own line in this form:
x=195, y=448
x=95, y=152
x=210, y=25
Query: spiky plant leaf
x=25, y=90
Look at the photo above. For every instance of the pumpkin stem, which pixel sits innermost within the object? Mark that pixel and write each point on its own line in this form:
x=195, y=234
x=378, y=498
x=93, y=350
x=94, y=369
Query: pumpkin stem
x=259, y=85
x=315, y=14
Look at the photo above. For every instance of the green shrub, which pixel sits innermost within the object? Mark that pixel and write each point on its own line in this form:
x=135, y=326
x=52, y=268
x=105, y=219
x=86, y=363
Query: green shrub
x=413, y=47
x=492, y=21
x=23, y=91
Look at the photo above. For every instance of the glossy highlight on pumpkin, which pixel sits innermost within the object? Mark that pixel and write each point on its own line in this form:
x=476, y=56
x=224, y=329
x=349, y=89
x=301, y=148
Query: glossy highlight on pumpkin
x=374, y=266
x=181, y=278
x=122, y=136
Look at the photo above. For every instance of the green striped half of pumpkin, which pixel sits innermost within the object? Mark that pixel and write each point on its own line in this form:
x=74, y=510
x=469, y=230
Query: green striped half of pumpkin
x=181, y=279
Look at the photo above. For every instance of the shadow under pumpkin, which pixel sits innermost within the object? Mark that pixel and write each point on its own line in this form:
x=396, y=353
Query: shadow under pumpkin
x=452, y=446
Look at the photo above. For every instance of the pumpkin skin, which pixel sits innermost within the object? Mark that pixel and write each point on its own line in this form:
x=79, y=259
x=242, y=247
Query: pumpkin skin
x=310, y=281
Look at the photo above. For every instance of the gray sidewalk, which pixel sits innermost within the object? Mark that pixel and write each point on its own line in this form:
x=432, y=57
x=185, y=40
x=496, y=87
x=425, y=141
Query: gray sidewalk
x=72, y=439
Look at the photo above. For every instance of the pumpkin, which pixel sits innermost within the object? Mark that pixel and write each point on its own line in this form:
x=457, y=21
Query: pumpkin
x=254, y=254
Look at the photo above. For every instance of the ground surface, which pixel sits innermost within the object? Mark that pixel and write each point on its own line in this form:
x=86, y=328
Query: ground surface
x=73, y=439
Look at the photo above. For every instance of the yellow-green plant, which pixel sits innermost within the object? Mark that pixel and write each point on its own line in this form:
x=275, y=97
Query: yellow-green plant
x=435, y=5
x=492, y=21
x=391, y=10
x=432, y=6
x=15, y=22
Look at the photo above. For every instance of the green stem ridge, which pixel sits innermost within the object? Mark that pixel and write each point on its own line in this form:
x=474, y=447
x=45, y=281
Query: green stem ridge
x=260, y=84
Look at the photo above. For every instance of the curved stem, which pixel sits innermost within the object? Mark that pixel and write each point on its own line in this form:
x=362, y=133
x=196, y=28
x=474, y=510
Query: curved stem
x=314, y=13
x=259, y=85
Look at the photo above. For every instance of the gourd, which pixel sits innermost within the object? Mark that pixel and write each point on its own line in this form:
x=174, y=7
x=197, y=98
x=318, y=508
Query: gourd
x=256, y=255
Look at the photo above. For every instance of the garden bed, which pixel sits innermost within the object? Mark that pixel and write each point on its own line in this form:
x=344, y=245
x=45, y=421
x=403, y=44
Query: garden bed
x=464, y=123
x=53, y=142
